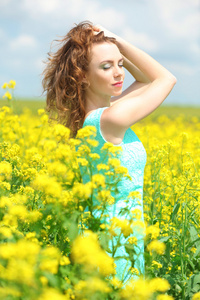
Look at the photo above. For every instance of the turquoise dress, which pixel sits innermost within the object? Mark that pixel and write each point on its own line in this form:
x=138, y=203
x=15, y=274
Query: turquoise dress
x=133, y=157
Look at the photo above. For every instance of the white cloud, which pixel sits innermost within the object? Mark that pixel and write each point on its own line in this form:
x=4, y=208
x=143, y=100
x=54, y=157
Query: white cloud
x=141, y=40
x=195, y=49
x=184, y=69
x=2, y=34
x=59, y=11
x=23, y=41
x=181, y=17
x=39, y=7
x=4, y=3
x=39, y=64
x=108, y=17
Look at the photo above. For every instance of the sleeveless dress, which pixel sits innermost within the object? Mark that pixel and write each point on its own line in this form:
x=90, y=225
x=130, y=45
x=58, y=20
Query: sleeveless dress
x=133, y=157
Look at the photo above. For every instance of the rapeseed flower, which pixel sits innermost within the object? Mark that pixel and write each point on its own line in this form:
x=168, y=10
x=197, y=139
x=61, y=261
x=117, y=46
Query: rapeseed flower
x=123, y=224
x=164, y=297
x=50, y=213
x=52, y=294
x=5, y=170
x=87, y=251
x=153, y=231
x=50, y=257
x=11, y=84
x=7, y=95
x=47, y=185
x=196, y=296
x=156, y=246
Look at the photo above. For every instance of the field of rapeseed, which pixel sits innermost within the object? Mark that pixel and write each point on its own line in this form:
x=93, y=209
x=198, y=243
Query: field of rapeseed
x=52, y=247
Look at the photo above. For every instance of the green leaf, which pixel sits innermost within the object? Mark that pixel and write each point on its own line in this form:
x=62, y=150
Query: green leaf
x=193, y=284
x=175, y=210
x=193, y=233
x=197, y=252
x=104, y=241
x=164, y=239
x=195, y=239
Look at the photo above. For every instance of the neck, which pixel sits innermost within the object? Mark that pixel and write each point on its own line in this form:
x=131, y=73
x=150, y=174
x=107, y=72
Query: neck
x=94, y=101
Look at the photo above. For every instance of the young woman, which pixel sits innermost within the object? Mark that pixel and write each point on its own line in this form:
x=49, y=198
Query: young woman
x=84, y=81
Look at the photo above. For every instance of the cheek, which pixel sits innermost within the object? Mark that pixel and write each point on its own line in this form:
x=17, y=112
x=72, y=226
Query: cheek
x=102, y=78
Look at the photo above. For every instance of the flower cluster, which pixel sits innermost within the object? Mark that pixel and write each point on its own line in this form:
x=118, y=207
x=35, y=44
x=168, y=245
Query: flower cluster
x=52, y=244
x=9, y=87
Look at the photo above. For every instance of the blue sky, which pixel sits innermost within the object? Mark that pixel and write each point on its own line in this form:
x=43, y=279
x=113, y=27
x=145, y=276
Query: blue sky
x=167, y=30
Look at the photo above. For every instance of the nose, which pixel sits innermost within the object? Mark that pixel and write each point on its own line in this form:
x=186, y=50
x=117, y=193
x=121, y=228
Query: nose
x=118, y=71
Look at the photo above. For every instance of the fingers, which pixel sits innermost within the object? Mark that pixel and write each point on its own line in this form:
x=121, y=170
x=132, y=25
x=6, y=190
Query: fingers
x=96, y=28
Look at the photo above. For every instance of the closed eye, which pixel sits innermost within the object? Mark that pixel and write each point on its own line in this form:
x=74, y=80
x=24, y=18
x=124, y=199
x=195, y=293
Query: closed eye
x=109, y=64
x=106, y=66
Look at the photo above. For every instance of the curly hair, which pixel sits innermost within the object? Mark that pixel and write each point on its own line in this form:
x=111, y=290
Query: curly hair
x=64, y=75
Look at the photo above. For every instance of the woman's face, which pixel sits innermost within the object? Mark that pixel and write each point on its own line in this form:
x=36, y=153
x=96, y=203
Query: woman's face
x=106, y=73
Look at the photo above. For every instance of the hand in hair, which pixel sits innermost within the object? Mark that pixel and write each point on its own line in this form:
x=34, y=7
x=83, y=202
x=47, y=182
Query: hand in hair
x=99, y=28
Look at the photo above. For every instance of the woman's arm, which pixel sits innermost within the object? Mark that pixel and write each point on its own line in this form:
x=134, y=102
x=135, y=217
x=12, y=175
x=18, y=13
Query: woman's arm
x=132, y=105
x=138, y=86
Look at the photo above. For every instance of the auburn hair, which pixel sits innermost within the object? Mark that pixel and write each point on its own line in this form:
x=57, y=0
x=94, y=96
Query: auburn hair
x=64, y=75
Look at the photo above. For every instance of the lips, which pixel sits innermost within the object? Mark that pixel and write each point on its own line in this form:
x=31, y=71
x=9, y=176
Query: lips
x=119, y=83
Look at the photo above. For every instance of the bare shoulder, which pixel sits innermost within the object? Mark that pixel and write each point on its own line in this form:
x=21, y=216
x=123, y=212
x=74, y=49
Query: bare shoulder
x=134, y=106
x=111, y=128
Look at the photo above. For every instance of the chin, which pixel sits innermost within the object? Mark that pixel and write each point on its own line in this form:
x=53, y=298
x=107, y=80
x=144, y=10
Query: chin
x=117, y=93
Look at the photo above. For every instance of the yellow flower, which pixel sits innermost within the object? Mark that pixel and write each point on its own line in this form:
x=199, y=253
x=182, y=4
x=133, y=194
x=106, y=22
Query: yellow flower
x=61, y=132
x=92, y=143
x=47, y=184
x=136, y=290
x=115, y=150
x=98, y=180
x=5, y=170
x=50, y=259
x=12, y=84
x=136, y=213
x=96, y=284
x=102, y=167
x=6, y=231
x=52, y=294
x=135, y=194
x=5, y=186
x=86, y=250
x=5, y=292
x=123, y=225
x=64, y=261
x=44, y=280
x=5, y=85
x=7, y=95
x=159, y=285
x=164, y=297
x=156, y=264
x=82, y=191
x=105, y=196
x=87, y=131
x=134, y=271
x=193, y=249
x=153, y=230
x=41, y=111
x=132, y=240
x=156, y=246
x=196, y=296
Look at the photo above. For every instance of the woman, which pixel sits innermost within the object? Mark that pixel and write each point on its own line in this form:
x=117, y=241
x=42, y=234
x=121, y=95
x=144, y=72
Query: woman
x=84, y=80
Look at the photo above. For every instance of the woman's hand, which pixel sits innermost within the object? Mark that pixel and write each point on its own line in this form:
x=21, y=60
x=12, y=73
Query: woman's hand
x=99, y=28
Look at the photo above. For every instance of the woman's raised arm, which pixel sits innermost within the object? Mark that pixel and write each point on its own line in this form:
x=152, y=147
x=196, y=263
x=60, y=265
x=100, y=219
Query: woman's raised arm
x=153, y=84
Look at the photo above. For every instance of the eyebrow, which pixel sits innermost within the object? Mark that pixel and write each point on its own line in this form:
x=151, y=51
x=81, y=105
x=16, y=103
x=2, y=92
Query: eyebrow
x=110, y=61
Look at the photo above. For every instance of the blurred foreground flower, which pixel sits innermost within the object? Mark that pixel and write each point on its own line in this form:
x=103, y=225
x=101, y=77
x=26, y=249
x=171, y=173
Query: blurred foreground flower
x=7, y=95
x=9, y=87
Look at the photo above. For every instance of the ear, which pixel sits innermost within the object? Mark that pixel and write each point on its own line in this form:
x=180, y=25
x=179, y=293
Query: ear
x=85, y=80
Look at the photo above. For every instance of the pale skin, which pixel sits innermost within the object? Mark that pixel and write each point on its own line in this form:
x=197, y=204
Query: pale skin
x=151, y=86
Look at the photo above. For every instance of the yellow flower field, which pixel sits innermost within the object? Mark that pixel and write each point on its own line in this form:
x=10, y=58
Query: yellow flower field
x=51, y=246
